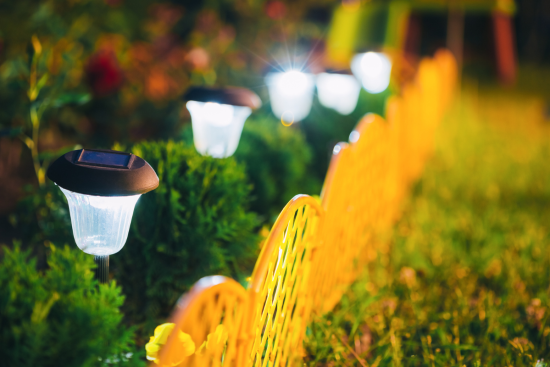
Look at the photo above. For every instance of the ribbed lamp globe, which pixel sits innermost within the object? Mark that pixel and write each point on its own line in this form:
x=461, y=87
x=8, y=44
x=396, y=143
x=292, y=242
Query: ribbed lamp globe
x=100, y=223
x=218, y=116
x=291, y=94
x=102, y=188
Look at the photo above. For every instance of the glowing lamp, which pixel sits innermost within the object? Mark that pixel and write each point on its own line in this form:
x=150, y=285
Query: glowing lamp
x=373, y=69
x=291, y=94
x=338, y=91
x=218, y=116
x=102, y=188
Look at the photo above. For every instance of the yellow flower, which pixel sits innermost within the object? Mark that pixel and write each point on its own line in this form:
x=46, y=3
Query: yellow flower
x=215, y=342
x=184, y=347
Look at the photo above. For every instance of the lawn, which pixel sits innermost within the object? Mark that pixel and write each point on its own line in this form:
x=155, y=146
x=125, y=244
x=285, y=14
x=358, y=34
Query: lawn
x=463, y=280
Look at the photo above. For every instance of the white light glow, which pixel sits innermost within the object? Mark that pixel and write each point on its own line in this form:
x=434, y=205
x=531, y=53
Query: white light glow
x=291, y=93
x=100, y=223
x=217, y=127
x=338, y=91
x=373, y=69
x=354, y=136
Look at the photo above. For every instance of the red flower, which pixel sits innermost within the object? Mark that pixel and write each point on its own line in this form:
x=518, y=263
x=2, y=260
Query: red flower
x=103, y=73
x=275, y=9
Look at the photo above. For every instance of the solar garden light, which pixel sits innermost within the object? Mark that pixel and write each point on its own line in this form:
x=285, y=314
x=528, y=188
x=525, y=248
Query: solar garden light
x=218, y=116
x=373, y=69
x=102, y=188
x=291, y=94
x=338, y=90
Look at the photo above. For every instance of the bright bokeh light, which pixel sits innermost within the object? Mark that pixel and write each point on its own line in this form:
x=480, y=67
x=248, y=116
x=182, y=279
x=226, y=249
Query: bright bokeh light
x=354, y=136
x=373, y=69
x=338, y=91
x=217, y=127
x=100, y=223
x=291, y=93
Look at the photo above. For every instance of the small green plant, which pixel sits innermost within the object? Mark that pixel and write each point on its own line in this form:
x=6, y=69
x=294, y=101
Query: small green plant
x=60, y=316
x=46, y=89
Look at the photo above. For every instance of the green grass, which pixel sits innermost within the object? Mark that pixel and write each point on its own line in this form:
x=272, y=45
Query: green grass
x=464, y=279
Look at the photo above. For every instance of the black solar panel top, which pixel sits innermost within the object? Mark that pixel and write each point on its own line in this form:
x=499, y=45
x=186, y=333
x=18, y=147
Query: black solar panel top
x=104, y=159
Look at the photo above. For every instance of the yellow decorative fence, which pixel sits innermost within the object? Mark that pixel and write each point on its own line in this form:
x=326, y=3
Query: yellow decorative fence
x=315, y=250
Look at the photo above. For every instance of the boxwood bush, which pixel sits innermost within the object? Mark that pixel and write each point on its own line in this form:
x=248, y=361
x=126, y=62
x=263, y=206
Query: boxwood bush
x=195, y=224
x=60, y=316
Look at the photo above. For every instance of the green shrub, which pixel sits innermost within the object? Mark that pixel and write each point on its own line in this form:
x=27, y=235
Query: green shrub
x=195, y=224
x=276, y=159
x=42, y=216
x=60, y=316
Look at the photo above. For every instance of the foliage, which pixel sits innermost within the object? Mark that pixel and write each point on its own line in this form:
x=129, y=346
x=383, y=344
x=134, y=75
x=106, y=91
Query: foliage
x=60, y=316
x=195, y=224
x=277, y=160
x=464, y=280
x=45, y=89
x=42, y=216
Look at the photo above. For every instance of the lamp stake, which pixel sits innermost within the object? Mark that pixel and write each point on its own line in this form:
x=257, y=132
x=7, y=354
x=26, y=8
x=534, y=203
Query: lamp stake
x=102, y=270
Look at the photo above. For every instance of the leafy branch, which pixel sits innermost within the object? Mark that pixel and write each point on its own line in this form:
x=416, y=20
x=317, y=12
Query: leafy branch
x=36, y=109
x=37, y=82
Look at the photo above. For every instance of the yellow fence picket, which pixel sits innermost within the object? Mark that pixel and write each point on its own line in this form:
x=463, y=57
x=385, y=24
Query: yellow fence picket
x=279, y=298
x=334, y=251
x=213, y=301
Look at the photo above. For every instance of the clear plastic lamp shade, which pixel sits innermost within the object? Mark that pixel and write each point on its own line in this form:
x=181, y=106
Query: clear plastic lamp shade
x=100, y=223
x=217, y=127
x=373, y=69
x=291, y=94
x=338, y=91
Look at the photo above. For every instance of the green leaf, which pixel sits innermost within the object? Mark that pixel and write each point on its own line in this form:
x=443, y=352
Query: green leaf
x=72, y=98
x=42, y=82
